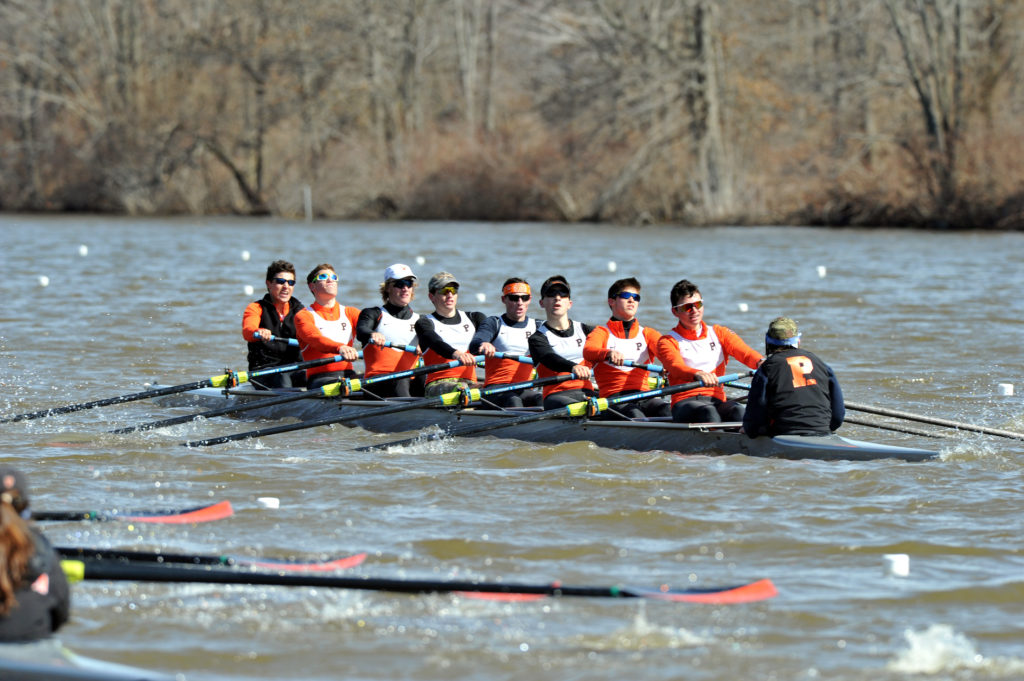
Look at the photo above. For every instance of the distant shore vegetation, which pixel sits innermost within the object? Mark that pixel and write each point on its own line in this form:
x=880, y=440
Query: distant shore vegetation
x=810, y=112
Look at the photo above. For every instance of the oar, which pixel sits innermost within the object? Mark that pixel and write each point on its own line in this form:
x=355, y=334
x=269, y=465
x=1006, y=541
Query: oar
x=452, y=399
x=213, y=382
x=199, y=514
x=336, y=389
x=574, y=410
x=294, y=342
x=868, y=409
x=78, y=570
x=81, y=553
x=895, y=429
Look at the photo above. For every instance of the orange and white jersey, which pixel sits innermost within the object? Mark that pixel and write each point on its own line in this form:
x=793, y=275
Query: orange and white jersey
x=321, y=331
x=639, y=346
x=684, y=353
x=513, y=341
x=703, y=354
x=570, y=348
x=458, y=336
x=380, y=360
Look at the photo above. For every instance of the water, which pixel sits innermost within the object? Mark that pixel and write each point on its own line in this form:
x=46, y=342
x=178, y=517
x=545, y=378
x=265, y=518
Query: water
x=928, y=323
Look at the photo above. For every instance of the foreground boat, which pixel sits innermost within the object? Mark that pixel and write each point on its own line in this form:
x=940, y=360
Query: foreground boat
x=709, y=439
x=49, y=660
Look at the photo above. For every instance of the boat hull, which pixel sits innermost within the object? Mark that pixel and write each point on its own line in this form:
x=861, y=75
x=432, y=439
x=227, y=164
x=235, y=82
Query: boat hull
x=49, y=660
x=706, y=439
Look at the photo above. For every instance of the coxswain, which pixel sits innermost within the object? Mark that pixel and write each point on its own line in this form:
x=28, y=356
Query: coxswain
x=34, y=596
x=793, y=392
x=392, y=322
x=624, y=339
x=557, y=347
x=444, y=335
x=694, y=351
x=273, y=316
x=325, y=329
x=508, y=333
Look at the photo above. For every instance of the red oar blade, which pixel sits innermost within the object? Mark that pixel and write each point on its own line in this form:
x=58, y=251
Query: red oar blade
x=760, y=590
x=217, y=511
x=334, y=565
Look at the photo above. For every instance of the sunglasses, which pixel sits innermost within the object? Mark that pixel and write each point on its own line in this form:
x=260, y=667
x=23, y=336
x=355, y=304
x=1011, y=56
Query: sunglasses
x=323, y=276
x=517, y=298
x=403, y=283
x=559, y=292
x=454, y=290
x=626, y=295
x=283, y=282
x=686, y=307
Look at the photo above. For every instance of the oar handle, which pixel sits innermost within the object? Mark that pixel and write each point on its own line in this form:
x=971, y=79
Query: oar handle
x=403, y=348
x=654, y=368
x=294, y=342
x=523, y=359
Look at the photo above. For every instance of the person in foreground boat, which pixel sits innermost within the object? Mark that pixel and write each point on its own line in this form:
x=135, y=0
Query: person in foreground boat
x=694, y=350
x=326, y=329
x=623, y=338
x=393, y=322
x=508, y=333
x=794, y=392
x=273, y=316
x=35, y=599
x=445, y=334
x=557, y=347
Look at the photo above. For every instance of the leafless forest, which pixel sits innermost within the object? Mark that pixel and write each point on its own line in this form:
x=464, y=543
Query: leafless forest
x=862, y=112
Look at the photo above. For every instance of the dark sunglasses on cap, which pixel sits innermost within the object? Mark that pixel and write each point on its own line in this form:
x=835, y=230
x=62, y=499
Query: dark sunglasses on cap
x=515, y=298
x=403, y=283
x=628, y=295
x=686, y=307
x=324, y=276
x=280, y=281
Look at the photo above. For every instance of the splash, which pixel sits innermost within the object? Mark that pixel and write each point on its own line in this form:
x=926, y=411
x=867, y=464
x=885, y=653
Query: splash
x=941, y=649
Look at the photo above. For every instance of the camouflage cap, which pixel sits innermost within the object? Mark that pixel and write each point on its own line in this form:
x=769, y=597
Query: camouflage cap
x=782, y=331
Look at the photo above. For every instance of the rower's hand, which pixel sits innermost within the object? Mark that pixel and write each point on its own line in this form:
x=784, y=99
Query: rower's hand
x=706, y=378
x=582, y=371
x=615, y=357
x=465, y=358
x=262, y=334
x=349, y=353
x=377, y=338
x=487, y=350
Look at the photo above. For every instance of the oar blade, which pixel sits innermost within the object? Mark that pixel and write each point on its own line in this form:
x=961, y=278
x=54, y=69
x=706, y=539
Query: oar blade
x=333, y=565
x=200, y=514
x=761, y=590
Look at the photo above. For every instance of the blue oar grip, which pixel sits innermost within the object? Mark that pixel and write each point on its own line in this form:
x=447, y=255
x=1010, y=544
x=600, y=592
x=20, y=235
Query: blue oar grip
x=290, y=341
x=519, y=358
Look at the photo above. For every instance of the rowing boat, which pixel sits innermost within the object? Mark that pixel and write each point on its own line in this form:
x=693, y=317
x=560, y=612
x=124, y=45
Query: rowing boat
x=49, y=660
x=649, y=435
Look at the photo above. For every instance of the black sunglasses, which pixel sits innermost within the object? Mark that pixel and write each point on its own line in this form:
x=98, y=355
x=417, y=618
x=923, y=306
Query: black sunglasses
x=517, y=298
x=281, y=281
x=403, y=283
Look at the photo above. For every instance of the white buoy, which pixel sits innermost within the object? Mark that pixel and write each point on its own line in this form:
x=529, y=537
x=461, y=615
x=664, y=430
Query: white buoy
x=744, y=307
x=420, y=260
x=249, y=290
x=269, y=502
x=1006, y=389
x=897, y=564
x=822, y=271
x=83, y=250
x=481, y=297
x=612, y=266
x=246, y=256
x=44, y=280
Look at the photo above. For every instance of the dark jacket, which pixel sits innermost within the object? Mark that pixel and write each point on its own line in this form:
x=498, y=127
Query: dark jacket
x=44, y=598
x=275, y=353
x=794, y=393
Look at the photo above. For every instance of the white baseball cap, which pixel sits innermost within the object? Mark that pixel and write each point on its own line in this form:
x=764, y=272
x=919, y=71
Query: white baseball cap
x=398, y=271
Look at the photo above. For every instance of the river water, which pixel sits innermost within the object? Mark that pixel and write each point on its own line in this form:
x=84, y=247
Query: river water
x=924, y=322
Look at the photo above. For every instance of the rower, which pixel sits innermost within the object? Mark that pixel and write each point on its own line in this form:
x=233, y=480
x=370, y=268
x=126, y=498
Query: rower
x=557, y=347
x=393, y=322
x=623, y=338
x=273, y=316
x=694, y=351
x=793, y=392
x=34, y=596
x=445, y=334
x=326, y=329
x=508, y=333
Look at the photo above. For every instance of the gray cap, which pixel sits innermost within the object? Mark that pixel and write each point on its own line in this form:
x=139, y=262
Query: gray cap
x=440, y=280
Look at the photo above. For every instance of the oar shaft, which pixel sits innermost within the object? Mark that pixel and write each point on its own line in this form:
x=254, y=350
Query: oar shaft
x=867, y=408
x=895, y=429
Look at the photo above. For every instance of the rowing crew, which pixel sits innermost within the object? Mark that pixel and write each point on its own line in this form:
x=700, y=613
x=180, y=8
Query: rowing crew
x=617, y=354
